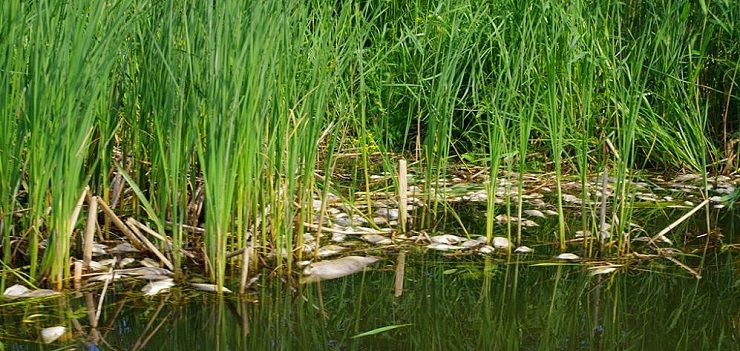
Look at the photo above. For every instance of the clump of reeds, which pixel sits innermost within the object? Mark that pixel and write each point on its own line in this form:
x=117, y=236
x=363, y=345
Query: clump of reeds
x=235, y=102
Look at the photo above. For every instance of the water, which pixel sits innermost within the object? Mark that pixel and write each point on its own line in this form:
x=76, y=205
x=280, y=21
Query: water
x=469, y=303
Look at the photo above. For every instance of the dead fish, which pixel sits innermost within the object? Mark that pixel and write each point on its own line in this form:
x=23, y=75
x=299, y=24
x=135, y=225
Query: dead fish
x=330, y=269
x=534, y=213
x=603, y=269
x=444, y=247
x=567, y=256
x=499, y=242
x=486, y=249
x=158, y=286
x=209, y=287
x=387, y=213
x=330, y=250
x=18, y=291
x=376, y=239
x=51, y=334
x=446, y=239
x=123, y=248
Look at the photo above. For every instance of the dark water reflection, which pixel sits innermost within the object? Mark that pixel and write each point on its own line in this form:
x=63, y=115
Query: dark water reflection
x=450, y=304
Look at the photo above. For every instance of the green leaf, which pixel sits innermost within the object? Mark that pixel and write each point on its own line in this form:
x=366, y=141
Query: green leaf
x=381, y=330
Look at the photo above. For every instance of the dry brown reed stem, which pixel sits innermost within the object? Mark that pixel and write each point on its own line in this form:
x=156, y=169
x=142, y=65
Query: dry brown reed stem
x=92, y=223
x=76, y=324
x=677, y=222
x=116, y=189
x=132, y=224
x=400, y=271
x=190, y=228
x=603, y=231
x=403, y=197
x=78, y=275
x=122, y=227
x=245, y=270
x=235, y=253
x=147, y=334
x=165, y=241
x=90, y=307
x=687, y=268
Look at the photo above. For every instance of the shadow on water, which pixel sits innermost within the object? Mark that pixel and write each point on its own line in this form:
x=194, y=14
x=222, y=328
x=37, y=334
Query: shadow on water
x=447, y=304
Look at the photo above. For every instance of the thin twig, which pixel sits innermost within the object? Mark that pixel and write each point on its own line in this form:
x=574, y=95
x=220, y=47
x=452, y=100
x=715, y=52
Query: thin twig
x=105, y=288
x=677, y=222
x=149, y=244
x=687, y=268
x=119, y=224
x=92, y=223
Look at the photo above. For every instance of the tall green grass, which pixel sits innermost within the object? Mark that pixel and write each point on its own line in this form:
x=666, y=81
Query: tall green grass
x=244, y=97
x=68, y=52
x=10, y=137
